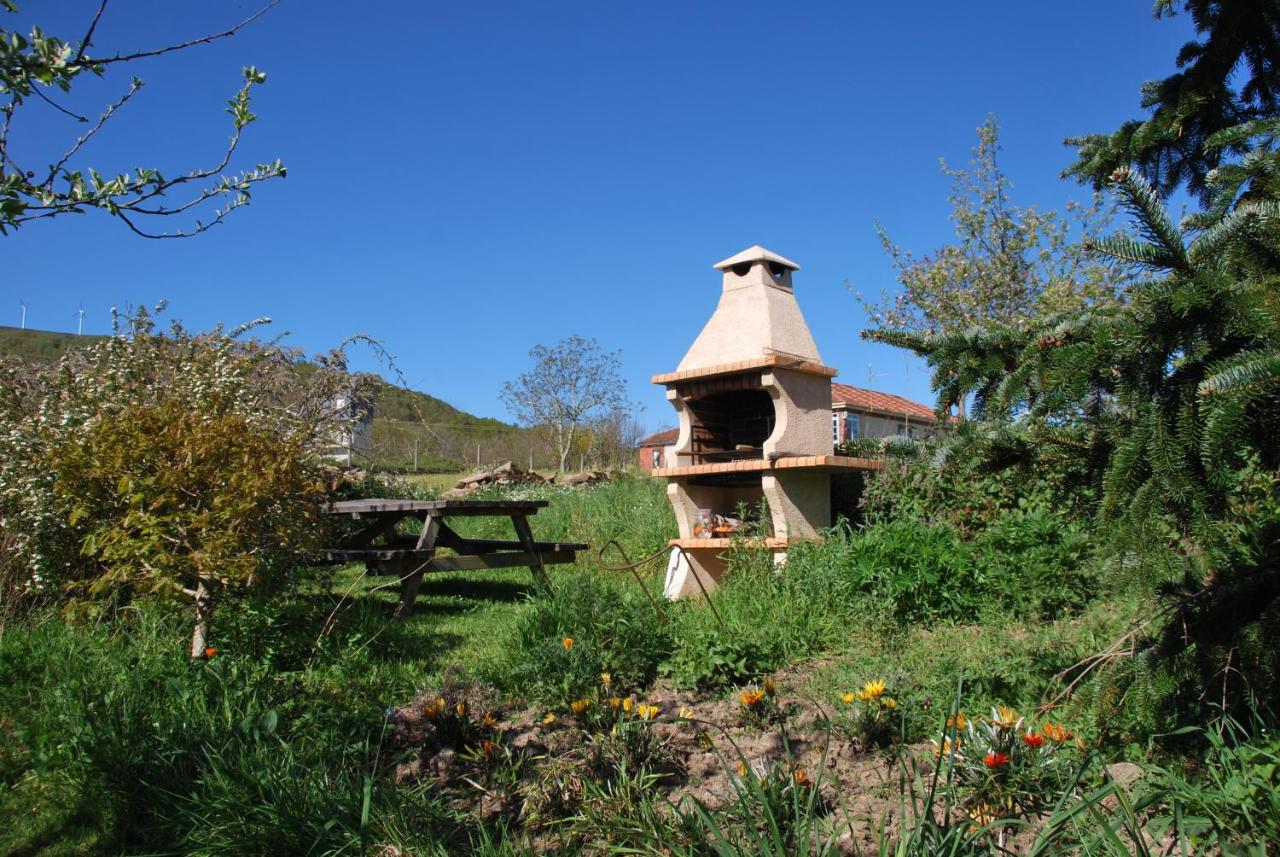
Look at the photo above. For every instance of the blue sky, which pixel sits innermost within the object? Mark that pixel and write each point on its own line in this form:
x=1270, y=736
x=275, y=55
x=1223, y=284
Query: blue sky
x=467, y=180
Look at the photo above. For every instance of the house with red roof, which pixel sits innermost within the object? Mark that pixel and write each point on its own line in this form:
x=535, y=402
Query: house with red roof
x=856, y=412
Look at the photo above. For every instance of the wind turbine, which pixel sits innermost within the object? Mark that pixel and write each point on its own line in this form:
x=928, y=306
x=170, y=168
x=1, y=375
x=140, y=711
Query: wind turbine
x=23, y=304
x=80, y=325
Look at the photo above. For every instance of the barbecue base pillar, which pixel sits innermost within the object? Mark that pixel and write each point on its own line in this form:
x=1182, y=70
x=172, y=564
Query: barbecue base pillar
x=799, y=502
x=688, y=567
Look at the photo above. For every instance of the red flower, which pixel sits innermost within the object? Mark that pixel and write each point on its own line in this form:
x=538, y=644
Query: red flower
x=210, y=652
x=1032, y=740
x=995, y=760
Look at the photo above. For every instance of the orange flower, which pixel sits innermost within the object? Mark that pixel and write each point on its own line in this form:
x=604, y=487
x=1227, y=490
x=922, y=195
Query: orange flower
x=957, y=720
x=947, y=747
x=210, y=652
x=742, y=769
x=461, y=709
x=801, y=776
x=1056, y=732
x=487, y=748
x=615, y=702
x=751, y=698
x=568, y=644
x=579, y=706
x=1032, y=740
x=434, y=709
x=490, y=720
x=995, y=760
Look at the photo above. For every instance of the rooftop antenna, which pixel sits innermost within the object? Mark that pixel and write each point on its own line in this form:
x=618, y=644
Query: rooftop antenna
x=80, y=324
x=872, y=374
x=23, y=304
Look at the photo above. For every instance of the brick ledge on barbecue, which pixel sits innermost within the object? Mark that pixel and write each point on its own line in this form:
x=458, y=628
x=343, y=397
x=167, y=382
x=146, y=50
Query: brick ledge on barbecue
x=771, y=361
x=830, y=463
x=770, y=543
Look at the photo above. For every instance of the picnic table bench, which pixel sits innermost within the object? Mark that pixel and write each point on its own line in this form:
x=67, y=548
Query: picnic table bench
x=384, y=551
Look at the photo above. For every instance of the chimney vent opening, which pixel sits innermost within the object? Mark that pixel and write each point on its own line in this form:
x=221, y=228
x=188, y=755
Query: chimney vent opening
x=741, y=269
x=778, y=271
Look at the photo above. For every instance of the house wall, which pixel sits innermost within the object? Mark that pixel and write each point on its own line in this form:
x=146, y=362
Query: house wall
x=879, y=425
x=644, y=456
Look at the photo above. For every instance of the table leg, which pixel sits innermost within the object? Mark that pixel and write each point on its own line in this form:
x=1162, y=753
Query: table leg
x=526, y=539
x=411, y=579
x=409, y=584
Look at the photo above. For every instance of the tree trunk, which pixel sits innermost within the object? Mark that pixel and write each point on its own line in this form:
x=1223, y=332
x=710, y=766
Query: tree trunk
x=566, y=446
x=200, y=636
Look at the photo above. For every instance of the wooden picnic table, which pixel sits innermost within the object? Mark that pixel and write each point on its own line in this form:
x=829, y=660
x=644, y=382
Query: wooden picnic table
x=384, y=551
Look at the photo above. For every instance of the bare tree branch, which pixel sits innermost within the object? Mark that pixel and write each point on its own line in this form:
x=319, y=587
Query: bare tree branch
x=81, y=61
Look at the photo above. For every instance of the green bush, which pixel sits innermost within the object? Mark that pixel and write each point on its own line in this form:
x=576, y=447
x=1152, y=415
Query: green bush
x=707, y=658
x=173, y=464
x=560, y=646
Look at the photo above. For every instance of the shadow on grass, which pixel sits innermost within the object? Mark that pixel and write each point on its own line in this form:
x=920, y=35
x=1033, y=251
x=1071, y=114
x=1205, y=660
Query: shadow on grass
x=476, y=589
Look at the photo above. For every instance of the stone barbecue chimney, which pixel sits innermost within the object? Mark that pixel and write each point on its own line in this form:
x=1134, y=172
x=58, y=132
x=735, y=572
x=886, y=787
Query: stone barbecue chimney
x=754, y=403
x=757, y=313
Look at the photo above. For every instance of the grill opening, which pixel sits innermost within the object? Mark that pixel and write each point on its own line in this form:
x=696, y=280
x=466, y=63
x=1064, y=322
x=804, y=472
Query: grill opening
x=730, y=426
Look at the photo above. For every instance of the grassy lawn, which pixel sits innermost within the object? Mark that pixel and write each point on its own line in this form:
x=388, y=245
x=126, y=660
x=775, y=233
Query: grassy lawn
x=307, y=732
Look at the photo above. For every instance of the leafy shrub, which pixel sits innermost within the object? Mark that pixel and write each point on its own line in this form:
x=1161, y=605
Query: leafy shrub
x=172, y=464
x=708, y=659
x=560, y=646
x=1025, y=563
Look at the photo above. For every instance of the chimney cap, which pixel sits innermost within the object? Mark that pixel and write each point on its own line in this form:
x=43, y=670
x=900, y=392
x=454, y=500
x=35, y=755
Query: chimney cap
x=755, y=253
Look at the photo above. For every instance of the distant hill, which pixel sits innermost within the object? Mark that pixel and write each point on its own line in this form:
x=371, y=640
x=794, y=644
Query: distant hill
x=444, y=437
x=43, y=345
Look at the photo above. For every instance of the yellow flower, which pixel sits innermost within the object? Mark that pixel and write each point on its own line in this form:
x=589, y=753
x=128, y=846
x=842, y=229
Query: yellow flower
x=606, y=679
x=1004, y=717
x=490, y=720
x=647, y=712
x=549, y=719
x=848, y=698
x=568, y=643
x=461, y=709
x=957, y=720
x=434, y=709
x=751, y=698
x=889, y=702
x=687, y=713
x=579, y=706
x=871, y=690
x=628, y=704
x=770, y=688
